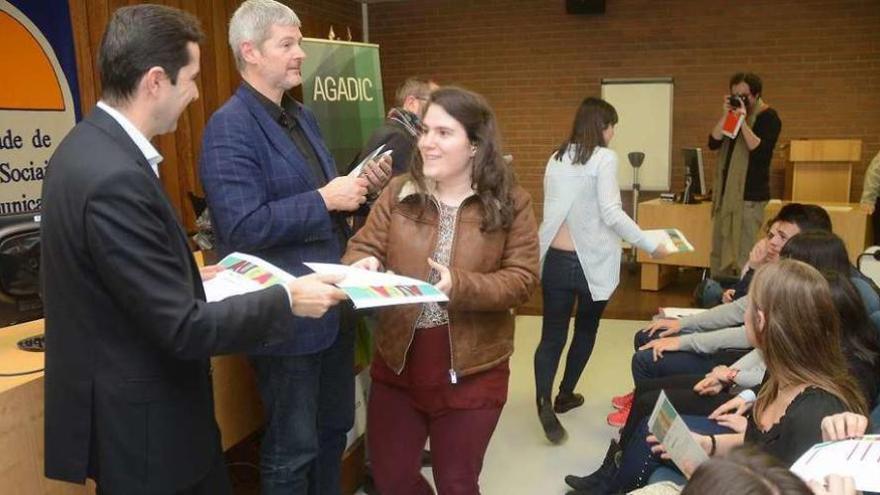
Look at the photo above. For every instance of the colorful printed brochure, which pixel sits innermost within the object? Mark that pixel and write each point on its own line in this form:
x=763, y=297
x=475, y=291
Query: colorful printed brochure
x=243, y=273
x=673, y=433
x=673, y=239
x=858, y=458
x=374, y=289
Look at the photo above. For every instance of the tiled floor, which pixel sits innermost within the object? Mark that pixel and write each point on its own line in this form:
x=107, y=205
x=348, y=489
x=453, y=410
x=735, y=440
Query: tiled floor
x=520, y=461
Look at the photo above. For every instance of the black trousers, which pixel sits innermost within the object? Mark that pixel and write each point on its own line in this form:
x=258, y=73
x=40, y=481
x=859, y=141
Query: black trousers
x=563, y=282
x=216, y=482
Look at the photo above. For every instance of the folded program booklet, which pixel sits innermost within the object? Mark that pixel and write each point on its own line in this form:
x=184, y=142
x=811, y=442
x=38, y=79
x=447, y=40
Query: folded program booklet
x=243, y=273
x=673, y=239
x=368, y=289
x=857, y=457
x=665, y=424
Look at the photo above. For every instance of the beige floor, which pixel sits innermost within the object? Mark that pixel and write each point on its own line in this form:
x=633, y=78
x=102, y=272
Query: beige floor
x=520, y=461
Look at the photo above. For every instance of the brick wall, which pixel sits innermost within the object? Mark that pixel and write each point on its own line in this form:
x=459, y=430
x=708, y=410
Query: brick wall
x=819, y=59
x=318, y=15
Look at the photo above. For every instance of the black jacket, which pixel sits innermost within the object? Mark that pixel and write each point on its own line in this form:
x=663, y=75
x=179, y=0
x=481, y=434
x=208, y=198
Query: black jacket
x=128, y=333
x=395, y=137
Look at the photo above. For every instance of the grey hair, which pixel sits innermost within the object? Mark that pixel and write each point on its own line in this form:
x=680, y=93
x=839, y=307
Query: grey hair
x=252, y=21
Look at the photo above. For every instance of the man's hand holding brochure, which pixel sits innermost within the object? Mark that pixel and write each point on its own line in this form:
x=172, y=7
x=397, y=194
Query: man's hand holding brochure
x=311, y=295
x=371, y=289
x=377, y=155
x=238, y=273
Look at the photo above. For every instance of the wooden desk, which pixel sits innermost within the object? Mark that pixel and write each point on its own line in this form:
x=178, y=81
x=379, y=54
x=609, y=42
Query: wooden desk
x=695, y=221
x=237, y=409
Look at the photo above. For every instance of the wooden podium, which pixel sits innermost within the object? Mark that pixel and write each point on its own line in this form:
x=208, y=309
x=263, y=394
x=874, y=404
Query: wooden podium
x=821, y=170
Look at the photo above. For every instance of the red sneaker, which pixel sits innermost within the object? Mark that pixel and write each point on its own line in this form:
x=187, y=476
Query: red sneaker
x=623, y=401
x=618, y=418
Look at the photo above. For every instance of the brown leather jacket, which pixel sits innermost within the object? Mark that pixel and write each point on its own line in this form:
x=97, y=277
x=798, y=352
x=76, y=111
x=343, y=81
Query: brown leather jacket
x=491, y=274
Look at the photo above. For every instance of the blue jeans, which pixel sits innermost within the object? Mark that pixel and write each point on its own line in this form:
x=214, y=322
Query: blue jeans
x=638, y=462
x=672, y=363
x=675, y=363
x=563, y=282
x=309, y=408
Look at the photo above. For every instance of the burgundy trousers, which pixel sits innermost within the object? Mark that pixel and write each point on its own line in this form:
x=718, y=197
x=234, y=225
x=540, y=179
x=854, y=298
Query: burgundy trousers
x=405, y=410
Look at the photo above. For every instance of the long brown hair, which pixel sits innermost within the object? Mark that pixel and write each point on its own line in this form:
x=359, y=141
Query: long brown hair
x=492, y=178
x=587, y=132
x=800, y=338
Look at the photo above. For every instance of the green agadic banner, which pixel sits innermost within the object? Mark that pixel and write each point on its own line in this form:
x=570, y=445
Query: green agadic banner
x=342, y=85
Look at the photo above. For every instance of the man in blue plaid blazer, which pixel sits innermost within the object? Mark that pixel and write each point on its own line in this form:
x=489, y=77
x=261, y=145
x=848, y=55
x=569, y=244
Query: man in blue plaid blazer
x=273, y=191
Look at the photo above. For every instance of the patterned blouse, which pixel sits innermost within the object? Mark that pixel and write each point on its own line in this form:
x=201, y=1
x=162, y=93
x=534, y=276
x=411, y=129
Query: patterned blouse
x=433, y=315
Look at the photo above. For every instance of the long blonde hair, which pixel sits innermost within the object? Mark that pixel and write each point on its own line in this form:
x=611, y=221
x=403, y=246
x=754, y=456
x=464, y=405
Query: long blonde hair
x=800, y=338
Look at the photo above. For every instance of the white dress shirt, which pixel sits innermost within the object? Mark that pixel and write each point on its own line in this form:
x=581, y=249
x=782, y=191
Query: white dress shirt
x=150, y=153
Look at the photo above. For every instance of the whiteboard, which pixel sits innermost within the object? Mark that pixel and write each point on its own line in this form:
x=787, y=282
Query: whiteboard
x=644, y=110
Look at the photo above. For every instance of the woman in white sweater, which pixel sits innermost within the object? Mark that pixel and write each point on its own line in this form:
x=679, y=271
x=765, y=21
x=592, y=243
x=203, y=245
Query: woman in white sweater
x=580, y=253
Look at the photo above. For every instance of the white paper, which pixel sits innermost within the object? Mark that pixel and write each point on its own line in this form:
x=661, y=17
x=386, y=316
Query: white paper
x=243, y=273
x=369, y=289
x=858, y=458
x=673, y=239
x=356, y=172
x=678, y=313
x=360, y=409
x=665, y=424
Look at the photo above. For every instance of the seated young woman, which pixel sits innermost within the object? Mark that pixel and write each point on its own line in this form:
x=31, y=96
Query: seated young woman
x=693, y=344
x=792, y=320
x=718, y=392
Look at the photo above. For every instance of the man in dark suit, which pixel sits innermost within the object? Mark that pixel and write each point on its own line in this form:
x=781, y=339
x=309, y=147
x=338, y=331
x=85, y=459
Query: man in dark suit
x=128, y=386
x=272, y=189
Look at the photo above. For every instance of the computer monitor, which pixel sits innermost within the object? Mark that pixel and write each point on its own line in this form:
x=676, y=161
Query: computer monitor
x=695, y=178
x=20, y=268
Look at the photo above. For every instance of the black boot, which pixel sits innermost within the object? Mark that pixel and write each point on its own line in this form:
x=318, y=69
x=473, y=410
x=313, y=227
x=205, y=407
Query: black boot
x=600, y=477
x=566, y=401
x=552, y=427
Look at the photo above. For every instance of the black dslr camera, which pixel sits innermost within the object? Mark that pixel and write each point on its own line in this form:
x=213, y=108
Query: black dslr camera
x=735, y=101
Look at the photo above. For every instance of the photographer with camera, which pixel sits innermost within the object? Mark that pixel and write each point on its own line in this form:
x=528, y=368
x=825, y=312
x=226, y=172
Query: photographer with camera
x=742, y=174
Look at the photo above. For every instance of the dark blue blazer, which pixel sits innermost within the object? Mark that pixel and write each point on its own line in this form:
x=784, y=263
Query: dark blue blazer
x=264, y=201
